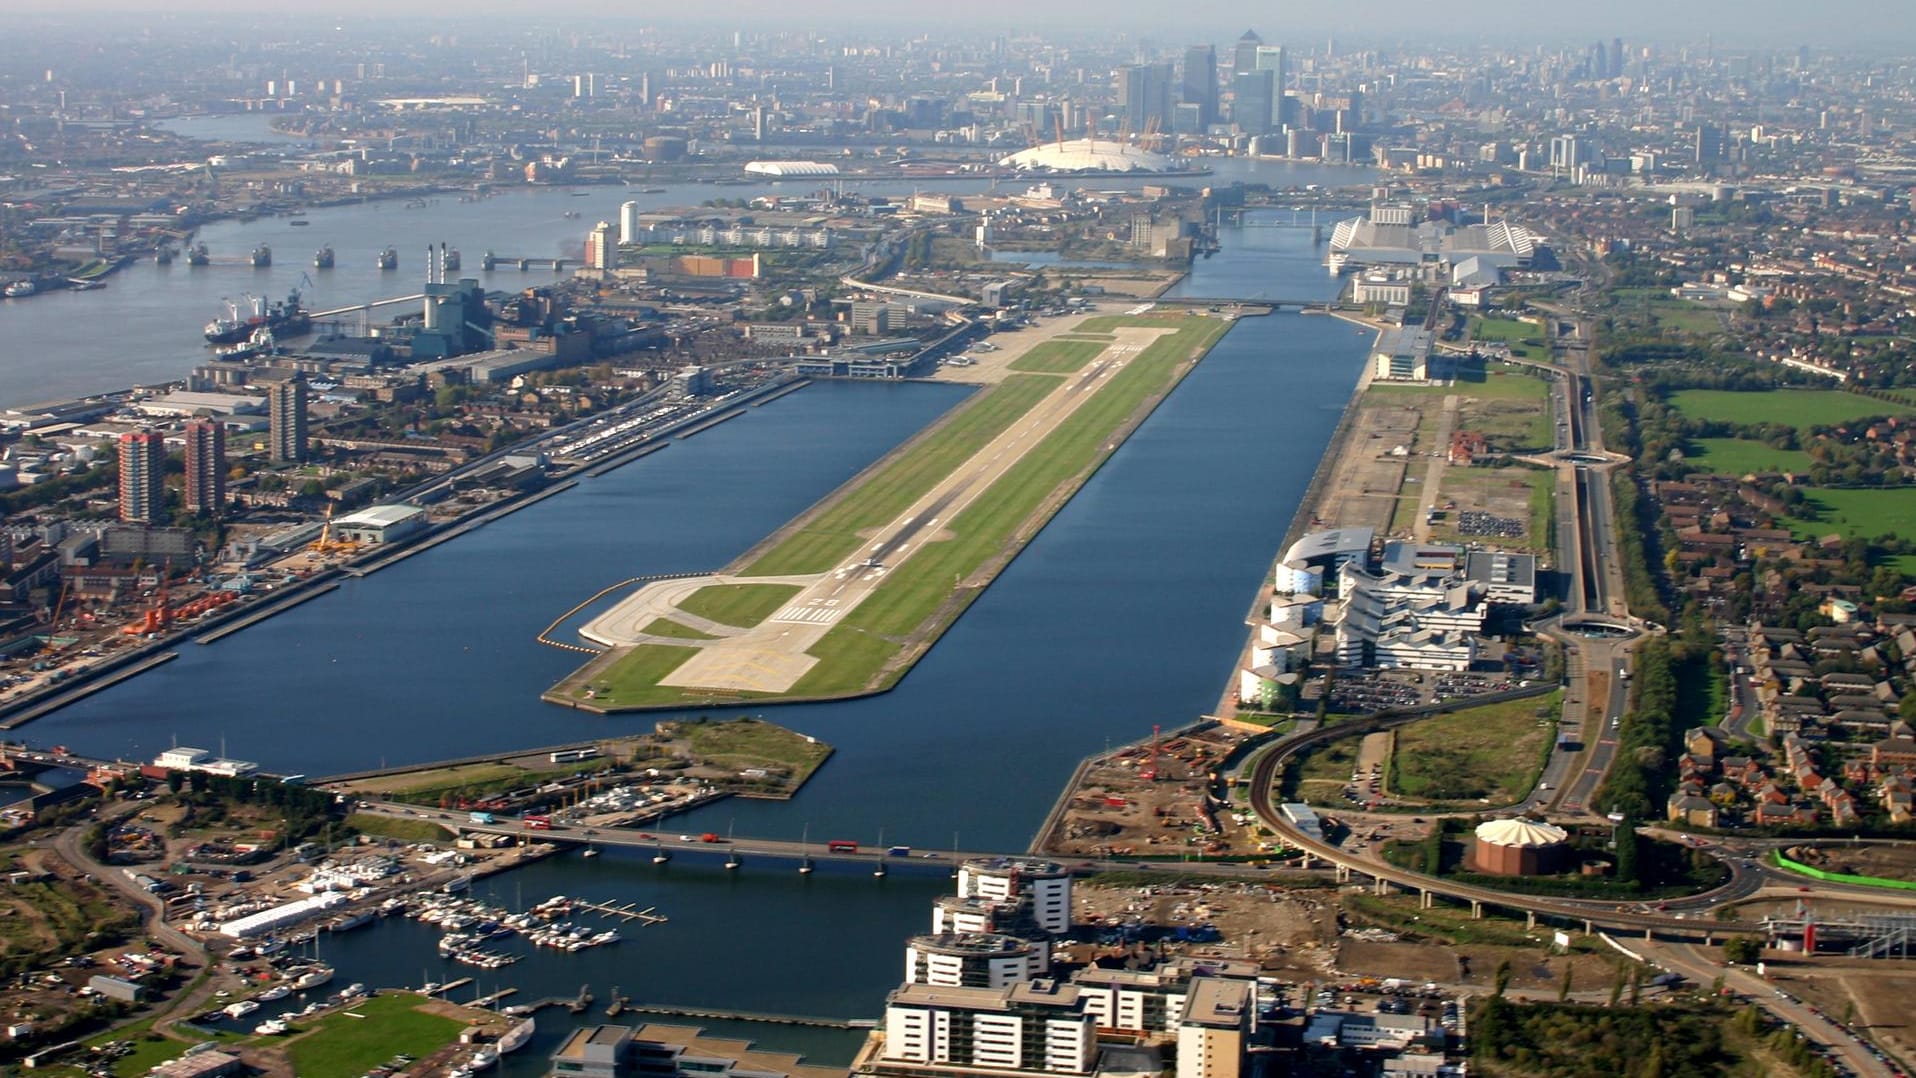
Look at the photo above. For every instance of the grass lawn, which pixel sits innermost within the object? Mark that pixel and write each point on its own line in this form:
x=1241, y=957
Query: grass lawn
x=1742, y=456
x=421, y=783
x=1524, y=338
x=396, y=828
x=825, y=537
x=1798, y=408
x=633, y=678
x=743, y=605
x=1058, y=357
x=1494, y=752
x=150, y=1049
x=1506, y=330
x=856, y=650
x=1106, y=323
x=345, y=1046
x=742, y=743
x=1543, y=510
x=1687, y=316
x=148, y=1052
x=1659, y=306
x=1324, y=773
x=1442, y=923
x=1499, y=382
x=1866, y=513
x=668, y=627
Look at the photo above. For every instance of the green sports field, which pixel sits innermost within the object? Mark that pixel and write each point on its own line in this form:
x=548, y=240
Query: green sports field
x=1865, y=513
x=1799, y=408
x=1743, y=456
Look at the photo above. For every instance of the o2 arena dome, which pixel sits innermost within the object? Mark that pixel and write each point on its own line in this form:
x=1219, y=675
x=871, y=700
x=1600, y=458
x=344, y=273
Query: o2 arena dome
x=1090, y=155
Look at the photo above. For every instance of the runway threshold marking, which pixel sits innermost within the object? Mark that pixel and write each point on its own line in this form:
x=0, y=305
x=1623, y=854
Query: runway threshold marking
x=807, y=615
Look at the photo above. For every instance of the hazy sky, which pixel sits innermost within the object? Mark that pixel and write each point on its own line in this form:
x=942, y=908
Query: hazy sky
x=1888, y=24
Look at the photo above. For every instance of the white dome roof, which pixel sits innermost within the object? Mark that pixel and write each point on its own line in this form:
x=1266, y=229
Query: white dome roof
x=1520, y=832
x=790, y=169
x=1090, y=155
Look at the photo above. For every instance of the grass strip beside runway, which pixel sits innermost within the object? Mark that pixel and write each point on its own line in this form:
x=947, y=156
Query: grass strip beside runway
x=829, y=535
x=908, y=605
x=878, y=640
x=1059, y=357
x=741, y=605
x=668, y=627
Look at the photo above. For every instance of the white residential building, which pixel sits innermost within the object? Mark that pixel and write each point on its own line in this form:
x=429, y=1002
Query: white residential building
x=1005, y=878
x=1033, y=1027
x=971, y=960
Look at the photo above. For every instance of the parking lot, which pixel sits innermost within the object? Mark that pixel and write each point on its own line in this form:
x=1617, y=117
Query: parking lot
x=1475, y=523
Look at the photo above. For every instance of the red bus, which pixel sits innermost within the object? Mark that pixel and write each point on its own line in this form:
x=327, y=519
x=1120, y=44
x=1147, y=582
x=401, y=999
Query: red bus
x=839, y=845
x=537, y=823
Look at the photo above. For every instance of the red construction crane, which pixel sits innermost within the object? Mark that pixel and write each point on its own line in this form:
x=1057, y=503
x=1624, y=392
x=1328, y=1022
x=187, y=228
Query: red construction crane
x=1148, y=771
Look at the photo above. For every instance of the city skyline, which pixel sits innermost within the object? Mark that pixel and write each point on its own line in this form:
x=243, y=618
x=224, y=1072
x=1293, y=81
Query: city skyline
x=1765, y=23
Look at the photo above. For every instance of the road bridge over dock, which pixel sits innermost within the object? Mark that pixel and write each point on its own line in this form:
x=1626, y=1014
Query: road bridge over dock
x=1685, y=919
x=1257, y=305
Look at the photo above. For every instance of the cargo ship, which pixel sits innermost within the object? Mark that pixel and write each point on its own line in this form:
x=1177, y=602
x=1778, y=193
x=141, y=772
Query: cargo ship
x=258, y=343
x=196, y=255
x=323, y=258
x=286, y=318
x=262, y=256
x=388, y=259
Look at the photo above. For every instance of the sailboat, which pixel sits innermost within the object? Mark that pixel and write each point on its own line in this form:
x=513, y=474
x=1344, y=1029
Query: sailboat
x=731, y=857
x=804, y=851
x=880, y=870
x=316, y=974
x=660, y=857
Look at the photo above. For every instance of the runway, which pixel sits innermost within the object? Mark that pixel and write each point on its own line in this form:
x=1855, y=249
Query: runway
x=772, y=656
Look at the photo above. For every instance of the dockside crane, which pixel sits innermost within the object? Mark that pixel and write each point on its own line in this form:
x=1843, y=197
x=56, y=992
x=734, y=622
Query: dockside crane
x=1148, y=770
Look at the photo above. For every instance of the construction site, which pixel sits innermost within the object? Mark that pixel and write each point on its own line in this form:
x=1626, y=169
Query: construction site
x=1152, y=799
x=104, y=609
